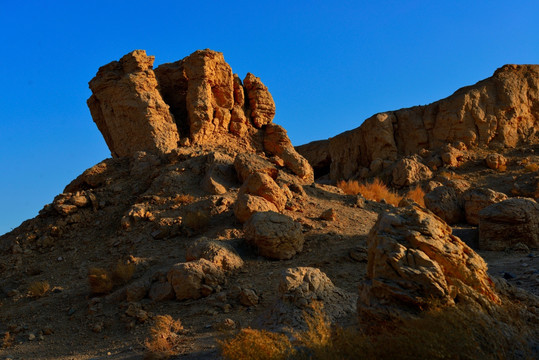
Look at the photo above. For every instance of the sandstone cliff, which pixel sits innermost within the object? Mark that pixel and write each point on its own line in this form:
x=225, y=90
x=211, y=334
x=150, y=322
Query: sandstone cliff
x=502, y=110
x=194, y=101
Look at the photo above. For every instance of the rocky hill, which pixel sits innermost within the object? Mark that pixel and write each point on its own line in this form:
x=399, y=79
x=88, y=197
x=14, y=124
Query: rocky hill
x=207, y=213
x=498, y=112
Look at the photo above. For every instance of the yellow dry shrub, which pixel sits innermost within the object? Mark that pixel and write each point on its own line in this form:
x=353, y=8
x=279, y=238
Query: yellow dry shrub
x=38, y=289
x=100, y=281
x=181, y=199
x=8, y=340
x=378, y=191
x=122, y=273
x=251, y=344
x=450, y=175
x=349, y=187
x=165, y=338
x=448, y=333
x=416, y=194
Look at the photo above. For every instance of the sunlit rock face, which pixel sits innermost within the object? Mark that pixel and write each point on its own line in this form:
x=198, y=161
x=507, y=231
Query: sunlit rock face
x=502, y=110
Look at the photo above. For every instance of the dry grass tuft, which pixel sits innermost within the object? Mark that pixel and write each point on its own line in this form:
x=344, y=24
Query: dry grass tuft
x=416, y=194
x=376, y=191
x=449, y=175
x=8, y=340
x=251, y=344
x=165, y=339
x=350, y=187
x=196, y=220
x=122, y=273
x=449, y=333
x=182, y=199
x=38, y=289
x=100, y=281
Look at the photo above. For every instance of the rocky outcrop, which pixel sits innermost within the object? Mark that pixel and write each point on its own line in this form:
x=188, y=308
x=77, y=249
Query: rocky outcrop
x=299, y=288
x=444, y=202
x=260, y=101
x=195, y=279
x=414, y=262
x=501, y=110
x=217, y=252
x=129, y=110
x=477, y=199
x=409, y=171
x=138, y=108
x=276, y=142
x=276, y=236
x=508, y=222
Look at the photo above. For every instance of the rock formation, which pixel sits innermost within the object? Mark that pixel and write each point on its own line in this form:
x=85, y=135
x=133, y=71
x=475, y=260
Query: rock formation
x=197, y=100
x=499, y=111
x=508, y=222
x=128, y=109
x=414, y=262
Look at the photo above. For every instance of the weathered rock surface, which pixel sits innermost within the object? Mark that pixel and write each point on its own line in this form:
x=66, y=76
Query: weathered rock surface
x=218, y=252
x=260, y=101
x=508, y=222
x=246, y=205
x=129, y=110
x=276, y=142
x=263, y=185
x=477, y=199
x=444, y=202
x=414, y=263
x=499, y=110
x=409, y=171
x=275, y=235
x=298, y=289
x=194, y=279
x=247, y=164
x=496, y=161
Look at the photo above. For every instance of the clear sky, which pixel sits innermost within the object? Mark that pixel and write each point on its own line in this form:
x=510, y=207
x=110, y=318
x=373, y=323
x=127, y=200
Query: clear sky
x=328, y=64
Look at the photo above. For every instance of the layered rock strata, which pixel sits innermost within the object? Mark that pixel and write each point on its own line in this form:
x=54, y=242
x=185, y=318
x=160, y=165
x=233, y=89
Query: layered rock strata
x=501, y=110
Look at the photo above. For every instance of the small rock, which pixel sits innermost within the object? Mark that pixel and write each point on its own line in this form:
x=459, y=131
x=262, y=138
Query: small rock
x=31, y=337
x=248, y=297
x=329, y=215
x=359, y=254
x=48, y=331
x=226, y=324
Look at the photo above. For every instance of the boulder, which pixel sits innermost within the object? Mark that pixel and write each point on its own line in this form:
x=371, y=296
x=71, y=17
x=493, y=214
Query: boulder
x=276, y=236
x=260, y=101
x=260, y=184
x=444, y=202
x=247, y=164
x=193, y=280
x=496, y=161
x=414, y=263
x=452, y=156
x=246, y=205
x=128, y=108
x=218, y=252
x=299, y=290
x=476, y=199
x=276, y=142
x=508, y=222
x=409, y=171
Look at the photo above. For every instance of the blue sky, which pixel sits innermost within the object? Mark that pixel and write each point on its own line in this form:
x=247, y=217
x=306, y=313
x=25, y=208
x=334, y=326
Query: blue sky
x=328, y=66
